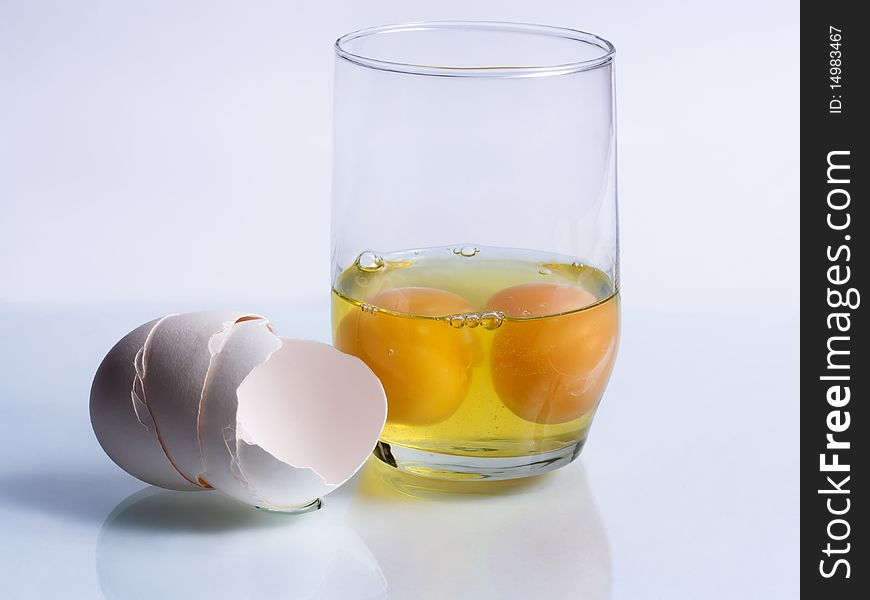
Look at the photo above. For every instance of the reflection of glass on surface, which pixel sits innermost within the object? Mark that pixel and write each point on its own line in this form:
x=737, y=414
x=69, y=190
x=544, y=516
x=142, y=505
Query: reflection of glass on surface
x=160, y=544
x=539, y=537
x=475, y=264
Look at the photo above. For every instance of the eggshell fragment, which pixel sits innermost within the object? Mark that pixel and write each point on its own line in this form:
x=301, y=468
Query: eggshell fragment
x=312, y=406
x=286, y=421
x=216, y=399
x=177, y=361
x=120, y=416
x=249, y=345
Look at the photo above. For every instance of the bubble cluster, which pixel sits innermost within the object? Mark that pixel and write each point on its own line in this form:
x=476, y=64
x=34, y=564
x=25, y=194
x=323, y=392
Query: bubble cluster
x=487, y=320
x=368, y=308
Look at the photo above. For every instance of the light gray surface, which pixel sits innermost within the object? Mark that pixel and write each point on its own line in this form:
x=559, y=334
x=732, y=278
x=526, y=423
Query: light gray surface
x=687, y=488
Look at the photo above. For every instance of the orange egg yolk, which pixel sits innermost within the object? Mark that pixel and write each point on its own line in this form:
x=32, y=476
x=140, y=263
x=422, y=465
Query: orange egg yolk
x=424, y=365
x=554, y=369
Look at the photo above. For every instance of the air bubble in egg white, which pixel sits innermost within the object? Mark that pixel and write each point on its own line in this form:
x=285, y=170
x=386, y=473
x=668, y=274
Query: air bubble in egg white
x=369, y=262
x=466, y=251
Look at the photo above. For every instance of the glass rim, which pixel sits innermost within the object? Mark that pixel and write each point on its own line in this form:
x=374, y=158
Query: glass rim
x=605, y=58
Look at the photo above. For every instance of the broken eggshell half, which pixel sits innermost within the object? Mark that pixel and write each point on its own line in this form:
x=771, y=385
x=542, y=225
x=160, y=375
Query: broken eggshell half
x=217, y=399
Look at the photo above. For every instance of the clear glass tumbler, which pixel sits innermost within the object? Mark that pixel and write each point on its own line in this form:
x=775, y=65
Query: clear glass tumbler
x=475, y=263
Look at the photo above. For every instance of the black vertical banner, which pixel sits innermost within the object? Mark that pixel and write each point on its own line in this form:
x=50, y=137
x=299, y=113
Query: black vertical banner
x=835, y=362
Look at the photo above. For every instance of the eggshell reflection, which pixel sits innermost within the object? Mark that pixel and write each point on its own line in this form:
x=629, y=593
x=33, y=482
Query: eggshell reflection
x=159, y=544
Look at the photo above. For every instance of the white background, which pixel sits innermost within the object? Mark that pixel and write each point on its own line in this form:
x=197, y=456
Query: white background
x=167, y=155
x=180, y=151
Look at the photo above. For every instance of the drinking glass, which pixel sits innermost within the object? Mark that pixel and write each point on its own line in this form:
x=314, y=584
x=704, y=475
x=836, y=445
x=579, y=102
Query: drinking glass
x=475, y=262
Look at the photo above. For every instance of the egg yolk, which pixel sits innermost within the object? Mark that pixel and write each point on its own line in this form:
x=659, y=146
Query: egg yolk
x=554, y=369
x=424, y=365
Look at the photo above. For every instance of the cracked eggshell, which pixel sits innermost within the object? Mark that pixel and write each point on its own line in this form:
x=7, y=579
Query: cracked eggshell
x=120, y=417
x=286, y=421
x=177, y=361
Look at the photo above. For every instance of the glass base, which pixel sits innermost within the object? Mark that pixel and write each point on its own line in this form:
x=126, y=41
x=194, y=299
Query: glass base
x=436, y=465
x=296, y=510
